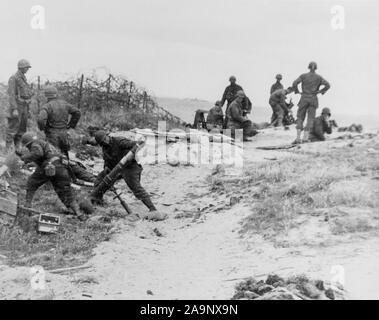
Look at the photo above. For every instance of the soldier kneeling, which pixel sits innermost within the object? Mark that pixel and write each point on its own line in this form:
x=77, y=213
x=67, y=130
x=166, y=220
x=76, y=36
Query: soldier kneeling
x=50, y=168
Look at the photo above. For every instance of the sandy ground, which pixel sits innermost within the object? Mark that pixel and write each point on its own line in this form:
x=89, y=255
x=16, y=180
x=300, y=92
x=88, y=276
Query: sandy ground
x=204, y=256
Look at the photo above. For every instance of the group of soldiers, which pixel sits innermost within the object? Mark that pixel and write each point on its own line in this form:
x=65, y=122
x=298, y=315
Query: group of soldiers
x=312, y=84
x=51, y=155
x=238, y=106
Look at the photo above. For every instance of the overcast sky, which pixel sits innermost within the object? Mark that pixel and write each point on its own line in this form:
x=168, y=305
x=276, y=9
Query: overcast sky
x=188, y=49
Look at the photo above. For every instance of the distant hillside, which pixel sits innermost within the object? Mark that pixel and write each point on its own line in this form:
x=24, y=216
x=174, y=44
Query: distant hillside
x=186, y=108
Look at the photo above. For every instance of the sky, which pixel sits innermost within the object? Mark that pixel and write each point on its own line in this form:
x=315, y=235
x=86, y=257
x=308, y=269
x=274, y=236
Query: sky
x=188, y=49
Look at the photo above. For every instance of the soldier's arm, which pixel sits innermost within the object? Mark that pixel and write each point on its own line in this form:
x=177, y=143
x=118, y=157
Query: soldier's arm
x=326, y=85
x=42, y=119
x=296, y=83
x=224, y=96
x=283, y=102
x=126, y=144
x=12, y=93
x=75, y=116
x=33, y=155
x=236, y=115
x=327, y=127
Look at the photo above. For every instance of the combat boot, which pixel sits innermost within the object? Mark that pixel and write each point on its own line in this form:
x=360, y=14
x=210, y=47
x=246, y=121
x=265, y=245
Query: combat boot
x=306, y=136
x=298, y=137
x=74, y=207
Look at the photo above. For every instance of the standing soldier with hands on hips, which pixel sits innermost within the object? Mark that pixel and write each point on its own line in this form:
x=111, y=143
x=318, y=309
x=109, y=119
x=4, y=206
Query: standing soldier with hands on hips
x=310, y=84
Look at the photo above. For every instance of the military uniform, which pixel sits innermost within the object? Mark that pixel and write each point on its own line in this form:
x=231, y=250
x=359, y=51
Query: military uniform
x=276, y=86
x=230, y=93
x=310, y=83
x=319, y=128
x=54, y=119
x=215, y=118
x=20, y=95
x=113, y=152
x=279, y=108
x=236, y=120
x=42, y=154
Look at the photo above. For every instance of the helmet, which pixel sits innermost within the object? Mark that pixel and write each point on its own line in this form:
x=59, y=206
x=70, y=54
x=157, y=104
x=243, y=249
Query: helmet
x=240, y=94
x=232, y=78
x=23, y=64
x=100, y=136
x=218, y=103
x=51, y=92
x=326, y=111
x=27, y=138
x=312, y=65
x=279, y=76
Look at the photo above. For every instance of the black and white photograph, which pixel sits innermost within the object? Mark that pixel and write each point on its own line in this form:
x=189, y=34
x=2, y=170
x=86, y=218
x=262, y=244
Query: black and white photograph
x=207, y=151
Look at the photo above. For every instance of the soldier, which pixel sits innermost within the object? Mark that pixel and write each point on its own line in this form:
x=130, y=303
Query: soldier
x=55, y=119
x=50, y=168
x=215, y=117
x=277, y=85
x=114, y=149
x=20, y=95
x=235, y=118
x=310, y=83
x=230, y=92
x=279, y=107
x=321, y=125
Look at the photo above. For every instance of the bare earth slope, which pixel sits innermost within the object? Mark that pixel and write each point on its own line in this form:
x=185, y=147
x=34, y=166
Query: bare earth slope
x=200, y=252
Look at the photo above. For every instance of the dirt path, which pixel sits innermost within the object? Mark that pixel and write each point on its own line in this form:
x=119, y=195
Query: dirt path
x=203, y=256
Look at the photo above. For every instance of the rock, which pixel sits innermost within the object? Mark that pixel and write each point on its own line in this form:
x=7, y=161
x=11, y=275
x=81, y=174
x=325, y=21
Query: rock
x=320, y=285
x=279, y=294
x=264, y=289
x=330, y=294
x=233, y=201
x=250, y=295
x=310, y=290
x=273, y=278
x=149, y=292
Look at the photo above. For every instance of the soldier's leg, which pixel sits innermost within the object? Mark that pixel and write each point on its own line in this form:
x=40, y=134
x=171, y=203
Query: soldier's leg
x=22, y=124
x=81, y=173
x=61, y=183
x=301, y=113
x=11, y=132
x=97, y=197
x=279, y=115
x=36, y=180
x=132, y=177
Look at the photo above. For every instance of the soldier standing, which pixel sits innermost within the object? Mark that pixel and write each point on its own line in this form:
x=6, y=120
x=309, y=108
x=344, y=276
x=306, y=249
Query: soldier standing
x=20, y=95
x=50, y=168
x=55, y=119
x=230, y=92
x=310, y=83
x=277, y=85
x=114, y=149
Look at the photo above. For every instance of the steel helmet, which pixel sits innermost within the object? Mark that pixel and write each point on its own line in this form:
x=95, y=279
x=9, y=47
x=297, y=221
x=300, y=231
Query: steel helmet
x=232, y=78
x=279, y=76
x=100, y=136
x=51, y=92
x=312, y=65
x=240, y=94
x=23, y=64
x=27, y=138
x=218, y=103
x=326, y=111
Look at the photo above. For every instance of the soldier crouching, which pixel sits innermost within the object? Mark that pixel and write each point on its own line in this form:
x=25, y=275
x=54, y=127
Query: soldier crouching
x=50, y=168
